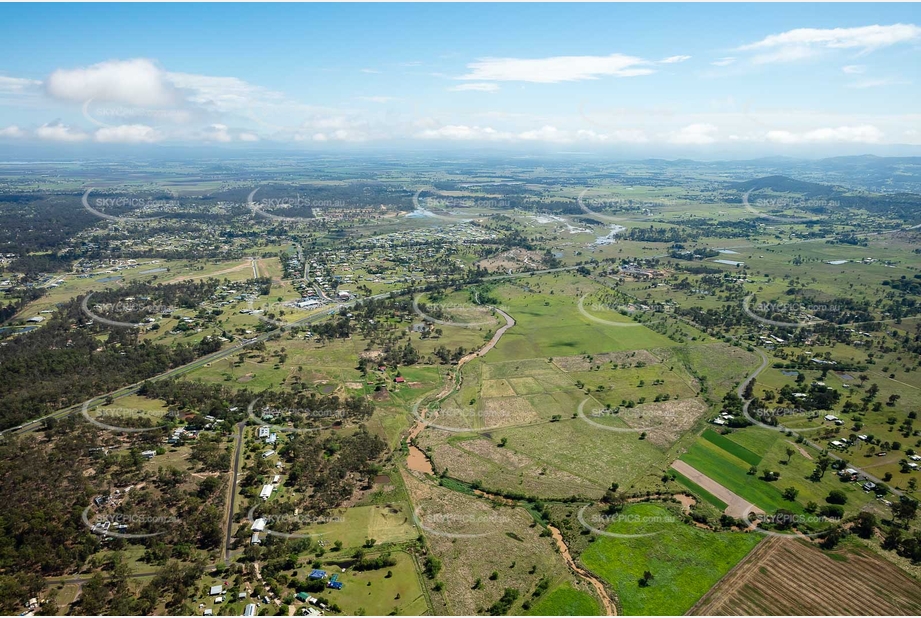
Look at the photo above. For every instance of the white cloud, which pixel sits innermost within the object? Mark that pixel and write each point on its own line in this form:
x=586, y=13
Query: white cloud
x=57, y=132
x=17, y=85
x=694, y=134
x=556, y=69
x=378, y=99
x=217, y=133
x=546, y=133
x=248, y=137
x=373, y=71
x=805, y=42
x=878, y=83
x=475, y=87
x=674, y=59
x=864, y=134
x=133, y=82
x=723, y=62
x=464, y=132
x=127, y=134
x=854, y=69
x=223, y=94
x=12, y=131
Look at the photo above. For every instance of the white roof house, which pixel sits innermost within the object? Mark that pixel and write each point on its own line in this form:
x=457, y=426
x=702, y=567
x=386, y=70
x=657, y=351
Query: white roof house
x=218, y=589
x=264, y=431
x=266, y=492
x=259, y=525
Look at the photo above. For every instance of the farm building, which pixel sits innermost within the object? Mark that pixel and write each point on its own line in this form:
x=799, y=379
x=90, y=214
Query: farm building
x=266, y=492
x=317, y=574
x=215, y=590
x=264, y=431
x=255, y=540
x=250, y=609
x=259, y=525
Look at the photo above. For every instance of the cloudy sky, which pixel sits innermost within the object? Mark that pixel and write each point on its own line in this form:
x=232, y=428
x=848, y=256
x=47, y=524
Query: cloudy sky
x=669, y=79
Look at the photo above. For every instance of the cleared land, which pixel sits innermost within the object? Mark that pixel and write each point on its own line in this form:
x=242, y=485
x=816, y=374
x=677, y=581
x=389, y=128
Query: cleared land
x=685, y=561
x=736, y=506
x=790, y=577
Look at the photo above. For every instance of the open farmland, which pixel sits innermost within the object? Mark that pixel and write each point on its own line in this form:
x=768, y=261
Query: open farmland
x=685, y=561
x=784, y=576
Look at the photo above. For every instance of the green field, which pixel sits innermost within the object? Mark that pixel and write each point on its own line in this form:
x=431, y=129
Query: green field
x=731, y=447
x=698, y=490
x=566, y=601
x=685, y=561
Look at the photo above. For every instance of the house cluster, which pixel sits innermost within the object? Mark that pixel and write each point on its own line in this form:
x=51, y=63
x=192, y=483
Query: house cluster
x=723, y=419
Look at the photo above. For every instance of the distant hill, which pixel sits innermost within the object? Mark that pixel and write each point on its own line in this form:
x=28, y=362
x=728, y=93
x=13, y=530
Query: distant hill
x=783, y=184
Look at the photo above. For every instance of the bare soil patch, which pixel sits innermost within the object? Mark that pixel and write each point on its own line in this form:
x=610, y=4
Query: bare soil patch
x=668, y=420
x=785, y=576
x=582, y=363
x=737, y=505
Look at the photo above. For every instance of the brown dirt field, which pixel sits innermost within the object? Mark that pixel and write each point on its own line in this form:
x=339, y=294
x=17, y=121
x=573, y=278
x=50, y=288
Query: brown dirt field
x=508, y=539
x=506, y=469
x=246, y=264
x=512, y=259
x=496, y=388
x=737, y=505
x=581, y=363
x=784, y=576
x=801, y=450
x=504, y=411
x=669, y=419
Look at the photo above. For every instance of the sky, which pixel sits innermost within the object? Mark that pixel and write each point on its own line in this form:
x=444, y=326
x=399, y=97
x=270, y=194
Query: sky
x=647, y=79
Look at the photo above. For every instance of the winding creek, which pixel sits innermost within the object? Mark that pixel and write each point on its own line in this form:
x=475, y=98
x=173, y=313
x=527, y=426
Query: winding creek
x=418, y=461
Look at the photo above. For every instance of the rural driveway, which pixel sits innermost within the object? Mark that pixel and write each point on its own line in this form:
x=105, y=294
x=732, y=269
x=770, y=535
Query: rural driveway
x=737, y=505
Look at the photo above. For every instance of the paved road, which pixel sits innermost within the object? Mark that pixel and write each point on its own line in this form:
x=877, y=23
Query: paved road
x=132, y=389
x=231, y=502
x=781, y=428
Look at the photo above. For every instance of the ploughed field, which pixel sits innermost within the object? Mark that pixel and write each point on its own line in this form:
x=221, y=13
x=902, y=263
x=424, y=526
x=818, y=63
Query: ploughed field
x=784, y=576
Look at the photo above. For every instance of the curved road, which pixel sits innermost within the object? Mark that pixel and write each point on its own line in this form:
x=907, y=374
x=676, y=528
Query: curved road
x=781, y=428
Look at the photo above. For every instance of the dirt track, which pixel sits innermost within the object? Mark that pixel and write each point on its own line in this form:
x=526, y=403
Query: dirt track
x=737, y=505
